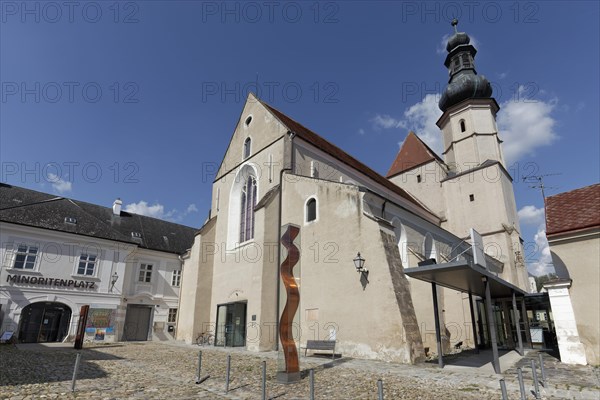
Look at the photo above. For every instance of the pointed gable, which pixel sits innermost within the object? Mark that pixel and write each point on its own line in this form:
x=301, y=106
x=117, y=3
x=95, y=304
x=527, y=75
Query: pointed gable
x=414, y=152
x=331, y=149
x=256, y=123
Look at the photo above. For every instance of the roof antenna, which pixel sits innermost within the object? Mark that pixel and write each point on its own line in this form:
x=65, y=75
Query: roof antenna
x=538, y=181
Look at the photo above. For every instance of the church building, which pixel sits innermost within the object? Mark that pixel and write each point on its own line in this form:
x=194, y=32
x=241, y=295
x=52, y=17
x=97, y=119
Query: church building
x=286, y=198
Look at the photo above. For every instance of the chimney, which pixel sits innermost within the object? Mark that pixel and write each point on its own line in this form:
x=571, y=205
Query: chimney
x=117, y=207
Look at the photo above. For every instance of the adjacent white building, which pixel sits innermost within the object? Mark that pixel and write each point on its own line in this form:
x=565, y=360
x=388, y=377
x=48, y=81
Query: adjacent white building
x=60, y=254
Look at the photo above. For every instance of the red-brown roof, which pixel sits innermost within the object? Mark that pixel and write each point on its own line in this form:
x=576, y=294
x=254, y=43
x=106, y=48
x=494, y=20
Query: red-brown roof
x=339, y=154
x=574, y=210
x=414, y=152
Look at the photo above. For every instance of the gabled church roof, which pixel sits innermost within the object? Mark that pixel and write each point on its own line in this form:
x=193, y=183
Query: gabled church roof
x=331, y=149
x=574, y=210
x=42, y=210
x=413, y=153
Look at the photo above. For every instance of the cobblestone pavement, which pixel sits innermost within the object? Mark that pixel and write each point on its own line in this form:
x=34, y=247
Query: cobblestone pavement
x=151, y=370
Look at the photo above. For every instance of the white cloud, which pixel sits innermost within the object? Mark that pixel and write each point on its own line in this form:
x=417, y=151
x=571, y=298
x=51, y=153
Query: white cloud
x=531, y=215
x=361, y=131
x=59, y=184
x=142, y=208
x=157, y=210
x=384, y=121
x=542, y=262
x=537, y=254
x=524, y=126
x=419, y=118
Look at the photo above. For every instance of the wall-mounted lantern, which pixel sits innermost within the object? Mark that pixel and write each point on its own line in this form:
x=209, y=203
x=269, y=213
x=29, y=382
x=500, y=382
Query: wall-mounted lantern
x=359, y=264
x=113, y=279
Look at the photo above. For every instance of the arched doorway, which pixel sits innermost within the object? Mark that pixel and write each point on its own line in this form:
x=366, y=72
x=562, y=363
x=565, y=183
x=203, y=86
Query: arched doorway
x=44, y=322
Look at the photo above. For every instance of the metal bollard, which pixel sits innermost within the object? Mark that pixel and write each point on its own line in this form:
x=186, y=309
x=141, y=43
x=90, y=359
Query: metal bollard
x=228, y=369
x=542, y=370
x=380, y=389
x=535, y=380
x=75, y=370
x=503, y=389
x=311, y=382
x=199, y=374
x=264, y=380
x=521, y=384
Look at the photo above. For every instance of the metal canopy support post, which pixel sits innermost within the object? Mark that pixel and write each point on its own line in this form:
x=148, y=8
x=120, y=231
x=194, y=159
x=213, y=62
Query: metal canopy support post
x=526, y=320
x=492, y=326
x=507, y=326
x=436, y=317
x=473, y=323
x=517, y=322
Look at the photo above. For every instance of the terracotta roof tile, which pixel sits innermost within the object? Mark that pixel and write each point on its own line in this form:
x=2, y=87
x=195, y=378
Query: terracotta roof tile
x=574, y=210
x=414, y=152
x=340, y=154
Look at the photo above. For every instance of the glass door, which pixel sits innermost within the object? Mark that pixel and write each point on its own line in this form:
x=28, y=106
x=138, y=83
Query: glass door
x=231, y=325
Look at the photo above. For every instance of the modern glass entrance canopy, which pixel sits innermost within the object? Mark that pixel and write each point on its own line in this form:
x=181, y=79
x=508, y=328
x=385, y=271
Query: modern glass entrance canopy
x=467, y=277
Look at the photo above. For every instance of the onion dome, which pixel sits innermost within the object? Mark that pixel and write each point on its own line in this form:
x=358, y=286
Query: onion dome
x=464, y=83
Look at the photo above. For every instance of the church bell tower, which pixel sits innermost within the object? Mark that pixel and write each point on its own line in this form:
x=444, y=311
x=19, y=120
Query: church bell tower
x=478, y=188
x=468, y=124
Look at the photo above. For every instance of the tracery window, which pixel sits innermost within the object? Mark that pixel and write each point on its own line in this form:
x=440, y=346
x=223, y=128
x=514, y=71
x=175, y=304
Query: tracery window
x=248, y=202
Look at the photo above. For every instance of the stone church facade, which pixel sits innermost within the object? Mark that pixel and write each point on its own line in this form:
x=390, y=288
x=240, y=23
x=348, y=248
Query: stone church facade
x=276, y=173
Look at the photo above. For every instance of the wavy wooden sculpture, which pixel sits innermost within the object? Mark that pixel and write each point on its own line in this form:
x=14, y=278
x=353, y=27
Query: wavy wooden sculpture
x=293, y=299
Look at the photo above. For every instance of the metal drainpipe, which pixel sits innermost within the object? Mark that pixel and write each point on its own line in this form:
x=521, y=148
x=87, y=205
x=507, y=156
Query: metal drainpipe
x=283, y=170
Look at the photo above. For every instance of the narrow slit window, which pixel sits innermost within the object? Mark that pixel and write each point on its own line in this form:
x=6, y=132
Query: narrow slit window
x=463, y=127
x=471, y=197
x=311, y=210
x=247, y=147
x=418, y=178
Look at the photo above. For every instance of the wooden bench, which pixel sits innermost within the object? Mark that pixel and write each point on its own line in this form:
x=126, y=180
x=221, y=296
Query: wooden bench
x=320, y=345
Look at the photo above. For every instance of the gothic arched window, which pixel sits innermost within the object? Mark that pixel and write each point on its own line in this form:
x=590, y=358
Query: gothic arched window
x=248, y=202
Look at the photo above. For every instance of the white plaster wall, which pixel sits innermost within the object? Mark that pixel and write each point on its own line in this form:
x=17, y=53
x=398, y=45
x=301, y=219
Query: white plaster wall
x=570, y=347
x=580, y=254
x=58, y=256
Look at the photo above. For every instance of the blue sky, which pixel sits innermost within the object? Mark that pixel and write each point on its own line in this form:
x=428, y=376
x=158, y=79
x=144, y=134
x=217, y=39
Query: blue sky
x=138, y=99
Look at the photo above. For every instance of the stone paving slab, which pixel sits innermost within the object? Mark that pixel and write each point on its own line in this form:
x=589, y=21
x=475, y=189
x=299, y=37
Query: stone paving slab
x=151, y=370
